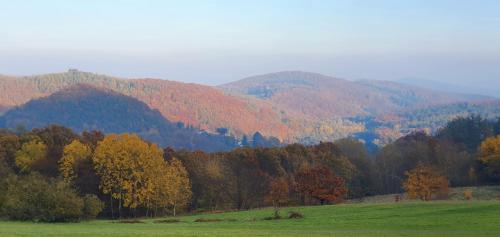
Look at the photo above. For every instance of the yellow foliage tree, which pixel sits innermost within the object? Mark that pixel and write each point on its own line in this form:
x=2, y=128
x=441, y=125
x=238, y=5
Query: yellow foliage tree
x=490, y=149
x=29, y=154
x=489, y=158
x=73, y=154
x=424, y=182
x=170, y=186
x=178, y=179
x=124, y=163
x=159, y=193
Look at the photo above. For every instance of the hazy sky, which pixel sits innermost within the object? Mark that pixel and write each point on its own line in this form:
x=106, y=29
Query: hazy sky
x=213, y=42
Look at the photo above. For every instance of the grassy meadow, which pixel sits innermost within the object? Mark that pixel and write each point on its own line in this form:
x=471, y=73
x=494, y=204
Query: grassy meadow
x=440, y=218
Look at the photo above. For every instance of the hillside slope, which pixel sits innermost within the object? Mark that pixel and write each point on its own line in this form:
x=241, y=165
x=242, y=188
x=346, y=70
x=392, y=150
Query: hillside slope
x=201, y=106
x=435, y=117
x=325, y=97
x=84, y=107
x=293, y=106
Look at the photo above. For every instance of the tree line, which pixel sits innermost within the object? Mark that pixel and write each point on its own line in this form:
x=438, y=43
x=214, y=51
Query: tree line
x=53, y=174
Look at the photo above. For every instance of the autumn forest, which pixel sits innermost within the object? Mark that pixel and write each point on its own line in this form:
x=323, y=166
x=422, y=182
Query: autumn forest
x=249, y=118
x=72, y=177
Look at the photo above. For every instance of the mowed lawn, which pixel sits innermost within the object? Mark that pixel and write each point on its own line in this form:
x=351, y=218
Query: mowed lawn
x=441, y=219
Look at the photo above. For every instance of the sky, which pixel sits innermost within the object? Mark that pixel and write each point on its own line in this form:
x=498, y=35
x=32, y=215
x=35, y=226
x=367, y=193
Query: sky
x=214, y=42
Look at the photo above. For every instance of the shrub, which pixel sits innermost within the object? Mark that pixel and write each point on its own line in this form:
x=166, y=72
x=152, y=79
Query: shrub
x=295, y=215
x=167, y=221
x=65, y=205
x=397, y=198
x=92, y=206
x=133, y=221
x=32, y=197
x=276, y=216
x=207, y=220
x=467, y=194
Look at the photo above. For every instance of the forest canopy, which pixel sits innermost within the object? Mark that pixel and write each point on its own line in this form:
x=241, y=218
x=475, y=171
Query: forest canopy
x=81, y=176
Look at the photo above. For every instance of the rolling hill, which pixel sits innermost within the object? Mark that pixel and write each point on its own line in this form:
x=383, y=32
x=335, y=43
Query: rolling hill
x=84, y=107
x=435, y=117
x=293, y=106
x=196, y=105
x=326, y=97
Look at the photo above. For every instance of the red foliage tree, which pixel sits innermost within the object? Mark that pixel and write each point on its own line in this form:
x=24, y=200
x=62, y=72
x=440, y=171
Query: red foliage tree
x=321, y=184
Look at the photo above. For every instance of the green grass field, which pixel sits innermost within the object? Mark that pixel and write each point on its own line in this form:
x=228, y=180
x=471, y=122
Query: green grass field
x=447, y=218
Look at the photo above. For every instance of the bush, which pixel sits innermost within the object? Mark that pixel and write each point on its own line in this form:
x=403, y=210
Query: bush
x=133, y=221
x=167, y=221
x=65, y=204
x=295, y=215
x=32, y=197
x=207, y=220
x=92, y=206
x=467, y=194
x=276, y=216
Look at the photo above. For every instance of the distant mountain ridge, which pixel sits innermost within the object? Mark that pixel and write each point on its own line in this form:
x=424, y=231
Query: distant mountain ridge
x=83, y=107
x=326, y=97
x=293, y=106
x=197, y=105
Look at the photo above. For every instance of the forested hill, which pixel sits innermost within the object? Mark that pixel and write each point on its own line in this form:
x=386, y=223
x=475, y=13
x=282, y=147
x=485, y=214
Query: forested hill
x=292, y=106
x=435, y=117
x=326, y=97
x=84, y=107
x=200, y=106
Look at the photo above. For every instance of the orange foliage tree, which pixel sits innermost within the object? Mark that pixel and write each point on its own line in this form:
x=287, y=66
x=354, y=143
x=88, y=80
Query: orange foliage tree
x=278, y=194
x=425, y=182
x=321, y=184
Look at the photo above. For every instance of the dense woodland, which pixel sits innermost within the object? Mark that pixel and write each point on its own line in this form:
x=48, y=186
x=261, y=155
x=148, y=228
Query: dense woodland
x=291, y=106
x=54, y=174
x=86, y=108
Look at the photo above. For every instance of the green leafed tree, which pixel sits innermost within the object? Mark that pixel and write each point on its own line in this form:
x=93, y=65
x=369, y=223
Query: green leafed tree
x=30, y=153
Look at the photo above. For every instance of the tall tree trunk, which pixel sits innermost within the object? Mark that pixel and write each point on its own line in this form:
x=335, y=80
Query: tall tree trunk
x=111, y=206
x=174, y=209
x=120, y=208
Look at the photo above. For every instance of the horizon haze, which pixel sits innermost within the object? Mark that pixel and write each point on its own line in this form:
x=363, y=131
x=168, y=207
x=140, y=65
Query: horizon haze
x=217, y=42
